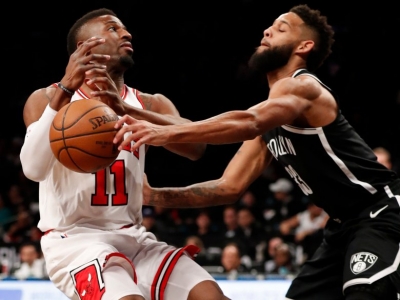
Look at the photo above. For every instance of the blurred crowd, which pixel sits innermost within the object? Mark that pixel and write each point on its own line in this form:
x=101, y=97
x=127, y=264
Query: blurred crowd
x=270, y=231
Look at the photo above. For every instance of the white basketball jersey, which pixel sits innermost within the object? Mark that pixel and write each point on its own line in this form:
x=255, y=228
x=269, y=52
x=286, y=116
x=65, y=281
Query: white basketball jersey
x=107, y=199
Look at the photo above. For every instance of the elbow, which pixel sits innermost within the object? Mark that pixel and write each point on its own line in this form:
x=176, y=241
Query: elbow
x=198, y=152
x=255, y=126
x=236, y=193
x=231, y=192
x=30, y=170
x=32, y=174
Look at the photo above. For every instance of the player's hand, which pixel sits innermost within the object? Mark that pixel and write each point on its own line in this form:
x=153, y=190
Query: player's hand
x=105, y=89
x=81, y=61
x=141, y=132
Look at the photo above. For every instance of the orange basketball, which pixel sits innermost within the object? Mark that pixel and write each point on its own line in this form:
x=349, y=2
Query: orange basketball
x=81, y=136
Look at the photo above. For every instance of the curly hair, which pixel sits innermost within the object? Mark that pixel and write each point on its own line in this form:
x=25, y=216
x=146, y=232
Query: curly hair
x=324, y=32
x=74, y=30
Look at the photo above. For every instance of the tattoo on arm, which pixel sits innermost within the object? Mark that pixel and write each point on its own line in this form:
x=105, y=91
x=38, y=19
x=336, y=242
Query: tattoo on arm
x=189, y=197
x=146, y=101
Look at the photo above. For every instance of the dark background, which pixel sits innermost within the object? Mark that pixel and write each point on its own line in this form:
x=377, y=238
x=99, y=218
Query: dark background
x=195, y=53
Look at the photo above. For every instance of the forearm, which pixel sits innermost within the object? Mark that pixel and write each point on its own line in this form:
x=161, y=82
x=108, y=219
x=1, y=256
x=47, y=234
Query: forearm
x=36, y=155
x=194, y=196
x=240, y=125
x=193, y=151
x=229, y=127
x=153, y=117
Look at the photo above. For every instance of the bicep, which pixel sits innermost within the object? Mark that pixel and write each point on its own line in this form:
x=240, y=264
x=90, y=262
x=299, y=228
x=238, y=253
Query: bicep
x=160, y=104
x=35, y=105
x=288, y=100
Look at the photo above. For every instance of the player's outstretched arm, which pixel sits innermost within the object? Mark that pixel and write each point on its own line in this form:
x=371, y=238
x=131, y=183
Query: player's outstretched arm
x=285, y=103
x=245, y=167
x=158, y=109
x=162, y=111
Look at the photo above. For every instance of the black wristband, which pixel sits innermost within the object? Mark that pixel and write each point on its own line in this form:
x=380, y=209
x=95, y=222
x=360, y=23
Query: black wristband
x=68, y=91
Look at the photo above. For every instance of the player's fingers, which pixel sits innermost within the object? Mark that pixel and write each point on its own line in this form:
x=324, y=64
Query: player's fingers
x=128, y=119
x=90, y=43
x=99, y=79
x=95, y=58
x=136, y=145
x=119, y=136
x=104, y=94
x=119, y=124
x=126, y=142
x=97, y=70
x=92, y=69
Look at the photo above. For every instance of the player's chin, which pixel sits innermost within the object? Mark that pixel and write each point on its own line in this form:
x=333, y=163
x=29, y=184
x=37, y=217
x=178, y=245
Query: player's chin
x=126, y=60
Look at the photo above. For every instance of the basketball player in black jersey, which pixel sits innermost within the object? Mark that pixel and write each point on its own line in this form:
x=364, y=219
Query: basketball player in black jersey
x=301, y=126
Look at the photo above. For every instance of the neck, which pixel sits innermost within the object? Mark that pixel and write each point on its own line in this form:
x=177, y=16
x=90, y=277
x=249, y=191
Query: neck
x=286, y=71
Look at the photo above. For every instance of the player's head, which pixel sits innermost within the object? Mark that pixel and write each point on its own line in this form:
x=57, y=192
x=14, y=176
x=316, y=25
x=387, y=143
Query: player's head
x=104, y=23
x=302, y=36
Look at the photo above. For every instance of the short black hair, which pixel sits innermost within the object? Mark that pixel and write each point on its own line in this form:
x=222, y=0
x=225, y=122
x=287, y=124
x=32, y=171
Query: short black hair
x=74, y=30
x=318, y=24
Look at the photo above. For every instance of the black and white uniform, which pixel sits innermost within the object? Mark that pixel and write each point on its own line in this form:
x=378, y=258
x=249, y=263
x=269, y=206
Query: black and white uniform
x=339, y=172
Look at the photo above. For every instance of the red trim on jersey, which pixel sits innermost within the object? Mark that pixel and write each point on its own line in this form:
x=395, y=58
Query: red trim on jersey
x=136, y=92
x=165, y=269
x=124, y=92
x=82, y=94
x=47, y=231
x=160, y=268
x=126, y=226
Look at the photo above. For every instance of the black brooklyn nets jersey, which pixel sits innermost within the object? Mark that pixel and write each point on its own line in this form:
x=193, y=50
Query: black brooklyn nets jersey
x=332, y=165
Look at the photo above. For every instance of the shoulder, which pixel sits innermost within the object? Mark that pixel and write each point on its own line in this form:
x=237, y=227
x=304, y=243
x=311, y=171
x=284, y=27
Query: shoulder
x=36, y=104
x=302, y=86
x=42, y=95
x=156, y=102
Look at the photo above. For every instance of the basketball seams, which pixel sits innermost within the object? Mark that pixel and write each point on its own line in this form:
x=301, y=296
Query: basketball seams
x=81, y=135
x=86, y=144
x=77, y=119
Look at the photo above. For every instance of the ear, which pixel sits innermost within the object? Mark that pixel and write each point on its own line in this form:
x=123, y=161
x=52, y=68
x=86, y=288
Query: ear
x=305, y=46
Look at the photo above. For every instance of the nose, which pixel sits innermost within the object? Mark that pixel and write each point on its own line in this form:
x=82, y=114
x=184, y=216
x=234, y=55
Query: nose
x=267, y=32
x=126, y=35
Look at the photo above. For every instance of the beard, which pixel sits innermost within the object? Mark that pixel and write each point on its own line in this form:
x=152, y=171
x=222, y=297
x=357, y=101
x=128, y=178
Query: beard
x=126, y=61
x=270, y=59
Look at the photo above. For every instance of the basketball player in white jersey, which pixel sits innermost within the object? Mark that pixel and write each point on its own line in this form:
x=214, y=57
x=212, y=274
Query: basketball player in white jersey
x=94, y=244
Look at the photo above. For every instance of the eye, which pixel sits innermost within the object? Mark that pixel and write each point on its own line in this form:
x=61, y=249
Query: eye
x=112, y=28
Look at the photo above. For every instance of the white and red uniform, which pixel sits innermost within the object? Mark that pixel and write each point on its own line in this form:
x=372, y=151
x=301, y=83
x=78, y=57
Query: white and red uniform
x=93, y=223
